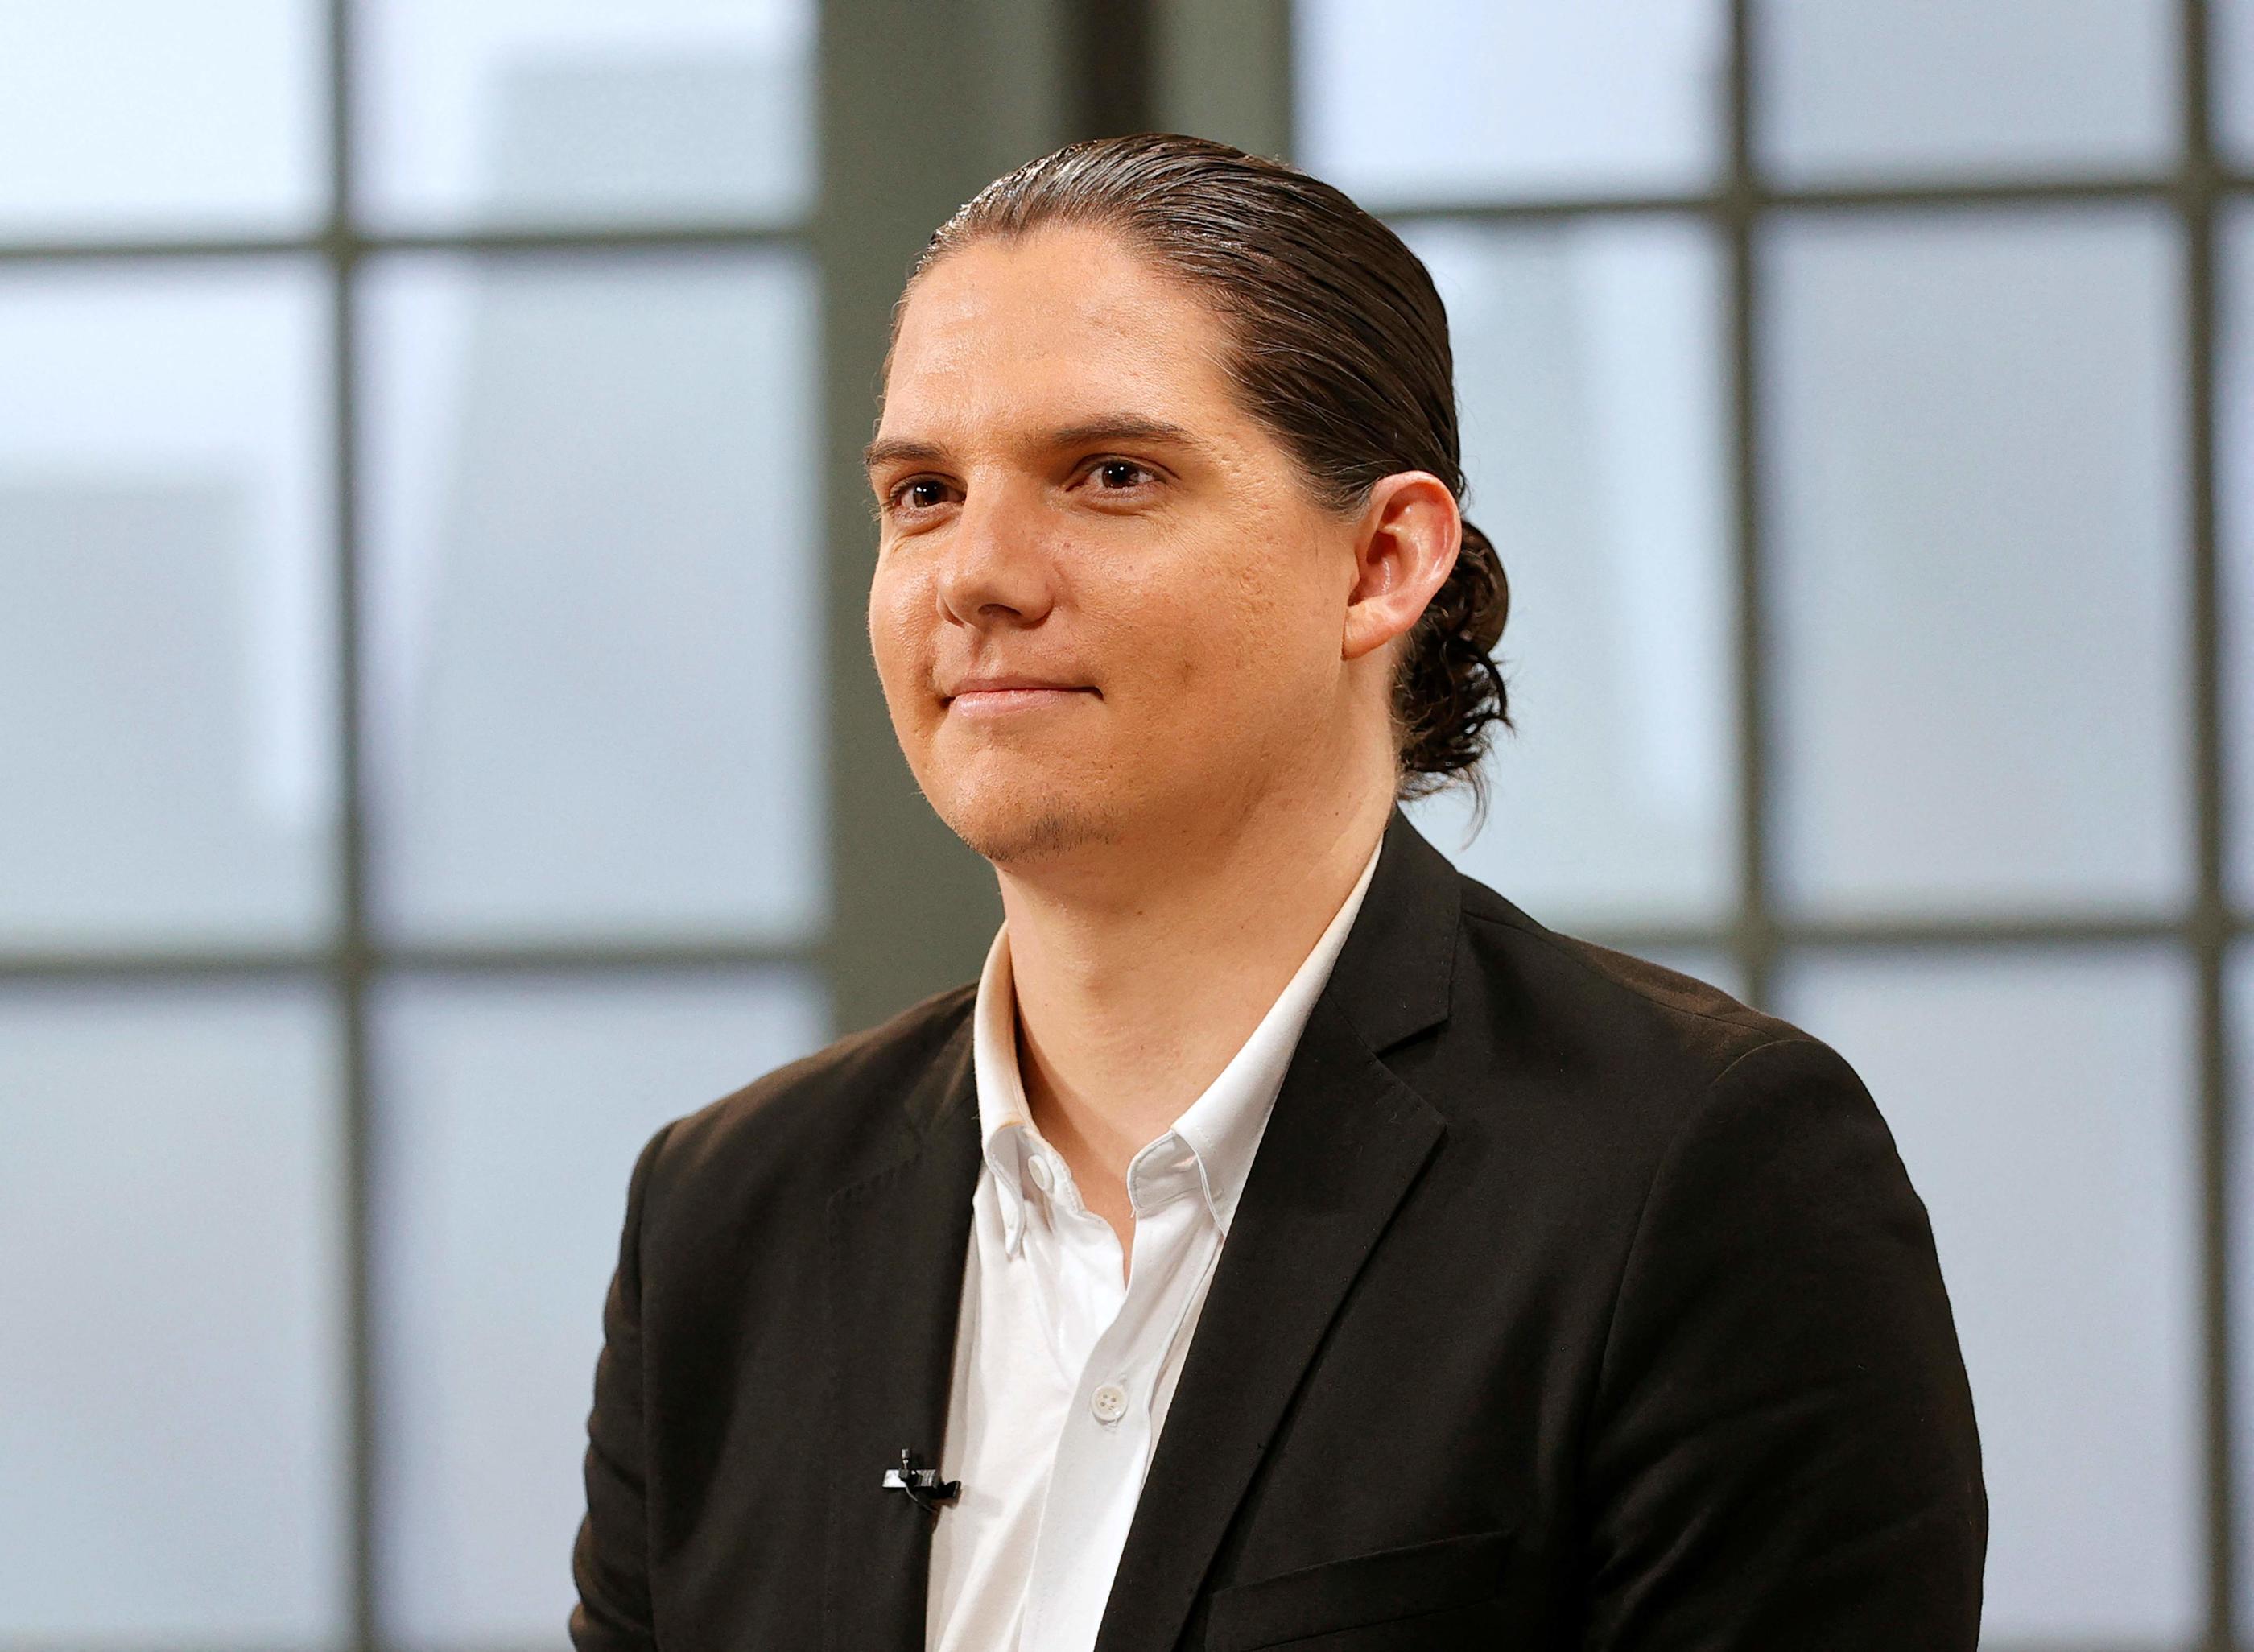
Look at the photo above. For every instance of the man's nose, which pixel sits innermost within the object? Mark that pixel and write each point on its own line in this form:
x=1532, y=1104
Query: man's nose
x=998, y=569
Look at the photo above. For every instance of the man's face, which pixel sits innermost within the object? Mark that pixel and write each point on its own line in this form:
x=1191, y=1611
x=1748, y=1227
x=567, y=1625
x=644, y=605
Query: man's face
x=1070, y=495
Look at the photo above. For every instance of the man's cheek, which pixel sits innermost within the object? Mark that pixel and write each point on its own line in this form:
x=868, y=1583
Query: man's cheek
x=898, y=649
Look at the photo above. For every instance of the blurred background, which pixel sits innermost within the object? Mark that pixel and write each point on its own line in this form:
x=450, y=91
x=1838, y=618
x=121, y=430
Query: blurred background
x=437, y=742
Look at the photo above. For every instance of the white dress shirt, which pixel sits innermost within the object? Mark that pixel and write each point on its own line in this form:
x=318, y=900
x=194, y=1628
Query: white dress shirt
x=1062, y=1372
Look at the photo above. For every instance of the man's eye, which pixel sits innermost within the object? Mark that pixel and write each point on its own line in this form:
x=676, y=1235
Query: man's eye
x=921, y=495
x=1121, y=472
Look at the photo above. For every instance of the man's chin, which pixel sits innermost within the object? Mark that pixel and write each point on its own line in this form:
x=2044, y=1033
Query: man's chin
x=1033, y=831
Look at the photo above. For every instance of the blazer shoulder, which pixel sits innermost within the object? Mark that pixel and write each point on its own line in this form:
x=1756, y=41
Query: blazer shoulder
x=1618, y=1075
x=1614, y=1011
x=815, y=1118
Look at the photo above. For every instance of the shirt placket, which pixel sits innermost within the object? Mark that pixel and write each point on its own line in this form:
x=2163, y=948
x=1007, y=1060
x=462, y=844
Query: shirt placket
x=1105, y=1448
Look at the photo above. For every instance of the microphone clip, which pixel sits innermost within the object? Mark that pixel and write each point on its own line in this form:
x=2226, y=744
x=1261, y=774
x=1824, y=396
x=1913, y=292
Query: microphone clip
x=925, y=1488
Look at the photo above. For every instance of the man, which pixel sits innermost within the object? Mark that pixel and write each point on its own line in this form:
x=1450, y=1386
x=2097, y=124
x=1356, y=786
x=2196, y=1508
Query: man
x=1287, y=1241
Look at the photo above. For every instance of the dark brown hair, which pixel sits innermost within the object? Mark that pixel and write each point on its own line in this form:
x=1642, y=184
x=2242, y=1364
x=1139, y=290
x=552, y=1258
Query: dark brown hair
x=1342, y=351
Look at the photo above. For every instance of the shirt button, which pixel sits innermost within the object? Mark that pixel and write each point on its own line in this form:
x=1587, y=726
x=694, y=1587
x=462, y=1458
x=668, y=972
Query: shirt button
x=1109, y=1403
x=1040, y=1172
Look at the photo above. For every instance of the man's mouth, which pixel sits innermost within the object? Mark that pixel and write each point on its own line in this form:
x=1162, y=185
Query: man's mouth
x=1014, y=698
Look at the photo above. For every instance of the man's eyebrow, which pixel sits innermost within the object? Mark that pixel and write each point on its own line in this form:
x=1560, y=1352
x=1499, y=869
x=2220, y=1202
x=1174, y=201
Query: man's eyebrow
x=894, y=449
x=1121, y=427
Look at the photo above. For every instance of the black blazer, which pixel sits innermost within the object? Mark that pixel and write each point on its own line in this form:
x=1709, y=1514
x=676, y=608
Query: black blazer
x=1570, y=1303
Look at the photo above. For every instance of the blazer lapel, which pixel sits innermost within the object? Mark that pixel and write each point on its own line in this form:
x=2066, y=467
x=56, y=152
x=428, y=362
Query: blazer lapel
x=897, y=1241
x=1342, y=1149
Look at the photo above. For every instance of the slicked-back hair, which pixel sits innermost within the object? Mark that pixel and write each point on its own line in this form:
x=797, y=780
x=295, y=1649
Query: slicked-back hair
x=1340, y=349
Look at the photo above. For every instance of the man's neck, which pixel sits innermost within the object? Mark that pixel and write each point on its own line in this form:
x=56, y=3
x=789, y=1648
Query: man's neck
x=1129, y=1005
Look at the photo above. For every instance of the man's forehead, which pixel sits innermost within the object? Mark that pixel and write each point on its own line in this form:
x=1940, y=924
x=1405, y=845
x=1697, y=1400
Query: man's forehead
x=1051, y=281
x=1030, y=404
x=1055, y=303
x=1022, y=398
x=1036, y=340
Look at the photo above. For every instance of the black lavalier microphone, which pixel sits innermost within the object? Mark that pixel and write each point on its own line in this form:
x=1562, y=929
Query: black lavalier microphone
x=925, y=1488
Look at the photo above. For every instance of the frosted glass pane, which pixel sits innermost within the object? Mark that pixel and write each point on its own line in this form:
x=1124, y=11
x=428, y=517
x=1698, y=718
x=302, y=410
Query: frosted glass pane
x=1432, y=99
x=2241, y=1203
x=513, y=1112
x=2231, y=63
x=1940, y=86
x=142, y=117
x=2045, y=1106
x=2234, y=461
x=166, y=720
x=173, y=1435
x=1588, y=368
x=511, y=110
x=1975, y=499
x=594, y=596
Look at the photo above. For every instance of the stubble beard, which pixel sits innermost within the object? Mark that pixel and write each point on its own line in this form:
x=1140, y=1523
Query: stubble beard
x=1041, y=830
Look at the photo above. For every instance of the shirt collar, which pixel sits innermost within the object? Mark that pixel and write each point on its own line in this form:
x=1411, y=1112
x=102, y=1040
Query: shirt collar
x=1006, y=1122
x=1222, y=1129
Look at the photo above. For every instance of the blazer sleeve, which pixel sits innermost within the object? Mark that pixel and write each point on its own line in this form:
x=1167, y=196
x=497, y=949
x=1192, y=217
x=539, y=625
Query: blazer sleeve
x=609, y=1562
x=1783, y=1451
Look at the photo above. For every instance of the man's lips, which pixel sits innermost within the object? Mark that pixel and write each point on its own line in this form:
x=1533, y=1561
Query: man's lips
x=1003, y=696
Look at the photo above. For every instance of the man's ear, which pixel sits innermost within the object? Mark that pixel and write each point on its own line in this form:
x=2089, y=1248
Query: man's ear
x=1406, y=546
